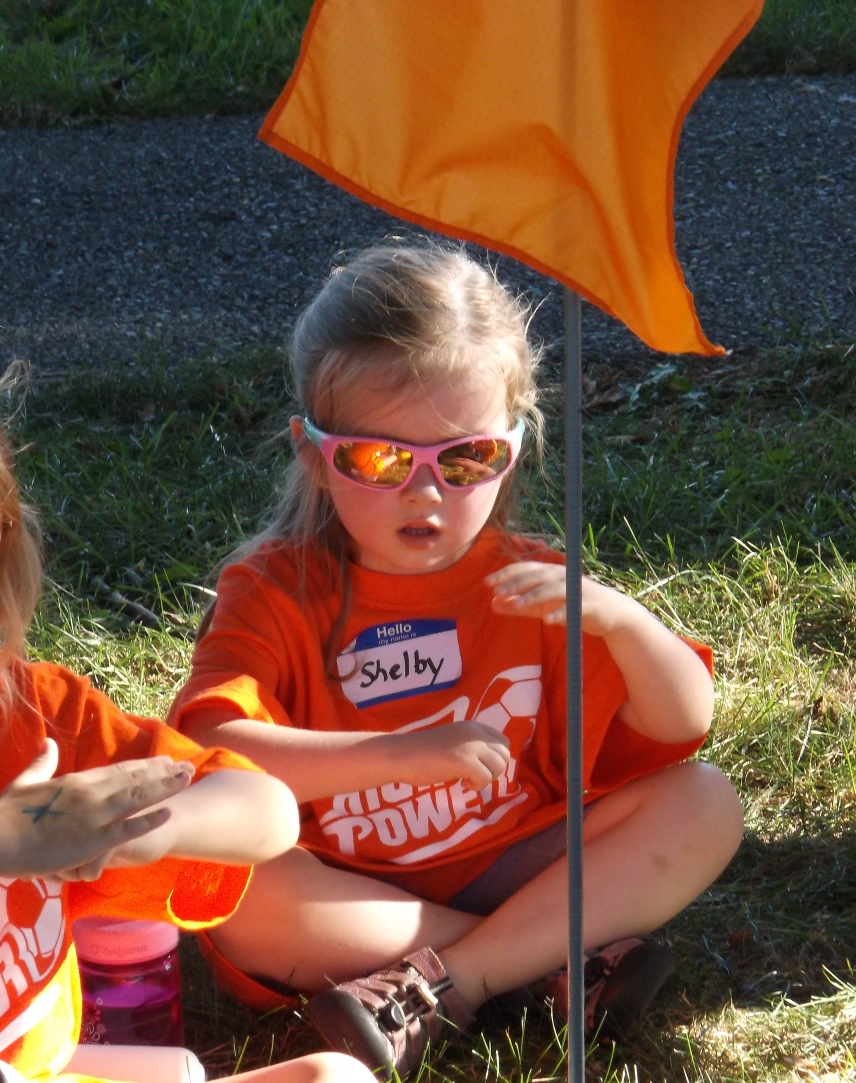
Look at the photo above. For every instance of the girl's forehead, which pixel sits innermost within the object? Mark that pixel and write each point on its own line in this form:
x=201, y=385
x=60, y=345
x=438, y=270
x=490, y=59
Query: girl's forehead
x=464, y=402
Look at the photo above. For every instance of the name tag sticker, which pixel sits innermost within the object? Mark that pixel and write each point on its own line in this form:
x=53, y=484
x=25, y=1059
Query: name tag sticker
x=391, y=661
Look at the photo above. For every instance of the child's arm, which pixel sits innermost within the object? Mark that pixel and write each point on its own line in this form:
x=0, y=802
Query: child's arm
x=233, y=817
x=321, y=764
x=76, y=825
x=670, y=693
x=48, y=825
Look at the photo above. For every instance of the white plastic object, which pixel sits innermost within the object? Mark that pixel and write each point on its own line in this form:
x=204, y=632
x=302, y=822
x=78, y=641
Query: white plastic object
x=9, y=1075
x=135, y=1064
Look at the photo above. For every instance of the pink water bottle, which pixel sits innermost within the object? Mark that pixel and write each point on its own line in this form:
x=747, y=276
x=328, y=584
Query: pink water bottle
x=131, y=982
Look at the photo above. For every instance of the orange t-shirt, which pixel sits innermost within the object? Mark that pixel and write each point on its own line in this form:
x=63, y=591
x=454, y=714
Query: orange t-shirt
x=39, y=987
x=418, y=651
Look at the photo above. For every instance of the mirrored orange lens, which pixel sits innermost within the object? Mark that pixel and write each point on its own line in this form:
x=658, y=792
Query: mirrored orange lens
x=377, y=463
x=474, y=460
x=373, y=462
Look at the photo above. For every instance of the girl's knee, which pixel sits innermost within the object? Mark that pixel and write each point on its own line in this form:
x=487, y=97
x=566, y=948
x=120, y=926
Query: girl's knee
x=712, y=799
x=338, y=1068
x=314, y=1068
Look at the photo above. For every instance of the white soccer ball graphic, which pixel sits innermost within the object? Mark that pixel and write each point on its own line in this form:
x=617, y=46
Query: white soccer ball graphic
x=32, y=924
x=513, y=696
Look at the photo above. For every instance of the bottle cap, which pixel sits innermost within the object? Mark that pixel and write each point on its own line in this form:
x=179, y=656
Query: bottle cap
x=119, y=942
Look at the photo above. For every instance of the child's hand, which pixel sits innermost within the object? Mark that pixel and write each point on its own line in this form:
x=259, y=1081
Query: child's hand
x=69, y=826
x=534, y=589
x=530, y=589
x=470, y=751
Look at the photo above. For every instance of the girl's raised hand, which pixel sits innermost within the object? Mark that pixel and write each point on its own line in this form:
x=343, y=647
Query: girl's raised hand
x=69, y=826
x=533, y=589
x=530, y=589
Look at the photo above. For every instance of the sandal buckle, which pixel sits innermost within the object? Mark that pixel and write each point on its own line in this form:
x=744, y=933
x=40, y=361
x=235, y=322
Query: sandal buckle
x=424, y=991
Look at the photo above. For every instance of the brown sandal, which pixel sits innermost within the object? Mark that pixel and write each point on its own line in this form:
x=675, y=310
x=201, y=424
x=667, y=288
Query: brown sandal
x=621, y=980
x=387, y=1019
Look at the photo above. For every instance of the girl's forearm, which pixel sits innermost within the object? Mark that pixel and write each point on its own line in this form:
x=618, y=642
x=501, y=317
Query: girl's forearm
x=234, y=817
x=312, y=764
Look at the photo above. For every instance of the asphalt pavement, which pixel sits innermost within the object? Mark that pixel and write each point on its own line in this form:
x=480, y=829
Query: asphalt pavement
x=188, y=235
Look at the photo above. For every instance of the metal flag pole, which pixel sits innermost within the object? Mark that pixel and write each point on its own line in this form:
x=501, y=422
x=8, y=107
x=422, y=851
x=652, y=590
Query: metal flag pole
x=573, y=557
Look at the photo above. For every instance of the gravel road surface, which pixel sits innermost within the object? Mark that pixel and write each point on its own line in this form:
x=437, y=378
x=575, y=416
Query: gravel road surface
x=190, y=235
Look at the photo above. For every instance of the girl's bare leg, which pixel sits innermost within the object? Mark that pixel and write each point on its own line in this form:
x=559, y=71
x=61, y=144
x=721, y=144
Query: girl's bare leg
x=316, y=1068
x=649, y=849
x=307, y=924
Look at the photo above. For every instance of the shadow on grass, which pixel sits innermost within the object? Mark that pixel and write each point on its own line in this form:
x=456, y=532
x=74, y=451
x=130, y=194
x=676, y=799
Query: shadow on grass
x=780, y=920
x=779, y=923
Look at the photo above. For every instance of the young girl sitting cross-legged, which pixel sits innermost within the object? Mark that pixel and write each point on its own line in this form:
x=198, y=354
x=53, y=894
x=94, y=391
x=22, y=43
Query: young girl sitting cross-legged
x=391, y=651
x=88, y=794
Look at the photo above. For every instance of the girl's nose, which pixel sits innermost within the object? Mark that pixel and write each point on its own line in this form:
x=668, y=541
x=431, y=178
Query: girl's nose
x=423, y=486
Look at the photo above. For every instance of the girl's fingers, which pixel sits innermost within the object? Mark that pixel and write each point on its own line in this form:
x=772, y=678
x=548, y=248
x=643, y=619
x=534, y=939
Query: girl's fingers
x=70, y=876
x=135, y=785
x=535, y=603
x=495, y=764
x=109, y=842
x=92, y=869
x=115, y=775
x=523, y=576
x=134, y=828
x=524, y=567
x=543, y=593
x=42, y=767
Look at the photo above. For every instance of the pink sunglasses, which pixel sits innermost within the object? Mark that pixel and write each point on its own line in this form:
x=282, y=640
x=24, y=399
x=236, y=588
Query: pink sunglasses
x=384, y=464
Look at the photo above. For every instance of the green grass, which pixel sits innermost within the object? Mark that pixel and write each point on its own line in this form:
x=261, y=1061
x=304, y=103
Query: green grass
x=86, y=60
x=799, y=37
x=718, y=492
x=83, y=60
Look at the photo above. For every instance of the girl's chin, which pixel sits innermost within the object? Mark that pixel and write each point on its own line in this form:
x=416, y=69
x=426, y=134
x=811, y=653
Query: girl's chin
x=418, y=554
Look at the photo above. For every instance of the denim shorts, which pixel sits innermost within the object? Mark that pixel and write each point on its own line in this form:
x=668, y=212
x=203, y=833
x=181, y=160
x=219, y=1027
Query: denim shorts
x=512, y=870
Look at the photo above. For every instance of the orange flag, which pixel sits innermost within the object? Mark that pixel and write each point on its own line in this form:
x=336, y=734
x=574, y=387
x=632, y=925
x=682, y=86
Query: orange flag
x=544, y=129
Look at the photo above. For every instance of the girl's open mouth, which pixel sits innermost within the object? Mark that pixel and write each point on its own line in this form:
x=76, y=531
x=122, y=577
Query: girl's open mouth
x=418, y=531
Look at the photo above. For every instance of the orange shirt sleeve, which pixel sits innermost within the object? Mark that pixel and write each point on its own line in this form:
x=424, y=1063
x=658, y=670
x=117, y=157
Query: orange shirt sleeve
x=91, y=731
x=617, y=754
x=263, y=656
x=241, y=664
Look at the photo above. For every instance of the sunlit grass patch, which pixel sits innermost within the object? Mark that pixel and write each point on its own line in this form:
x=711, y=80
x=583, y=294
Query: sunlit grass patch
x=140, y=671
x=786, y=1041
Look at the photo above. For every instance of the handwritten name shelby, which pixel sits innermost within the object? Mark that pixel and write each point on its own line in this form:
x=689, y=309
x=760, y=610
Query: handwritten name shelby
x=373, y=670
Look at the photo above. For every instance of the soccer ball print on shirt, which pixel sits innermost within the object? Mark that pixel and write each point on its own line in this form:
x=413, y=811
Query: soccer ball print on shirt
x=408, y=824
x=33, y=941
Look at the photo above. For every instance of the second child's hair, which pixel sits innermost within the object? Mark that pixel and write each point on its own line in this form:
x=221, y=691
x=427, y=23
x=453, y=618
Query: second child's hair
x=20, y=575
x=394, y=318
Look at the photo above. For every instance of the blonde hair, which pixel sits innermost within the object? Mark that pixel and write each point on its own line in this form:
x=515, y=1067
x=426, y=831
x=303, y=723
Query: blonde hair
x=20, y=572
x=396, y=317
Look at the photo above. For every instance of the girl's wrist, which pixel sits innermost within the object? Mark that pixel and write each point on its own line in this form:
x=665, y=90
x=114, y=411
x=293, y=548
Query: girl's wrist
x=387, y=756
x=628, y=620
